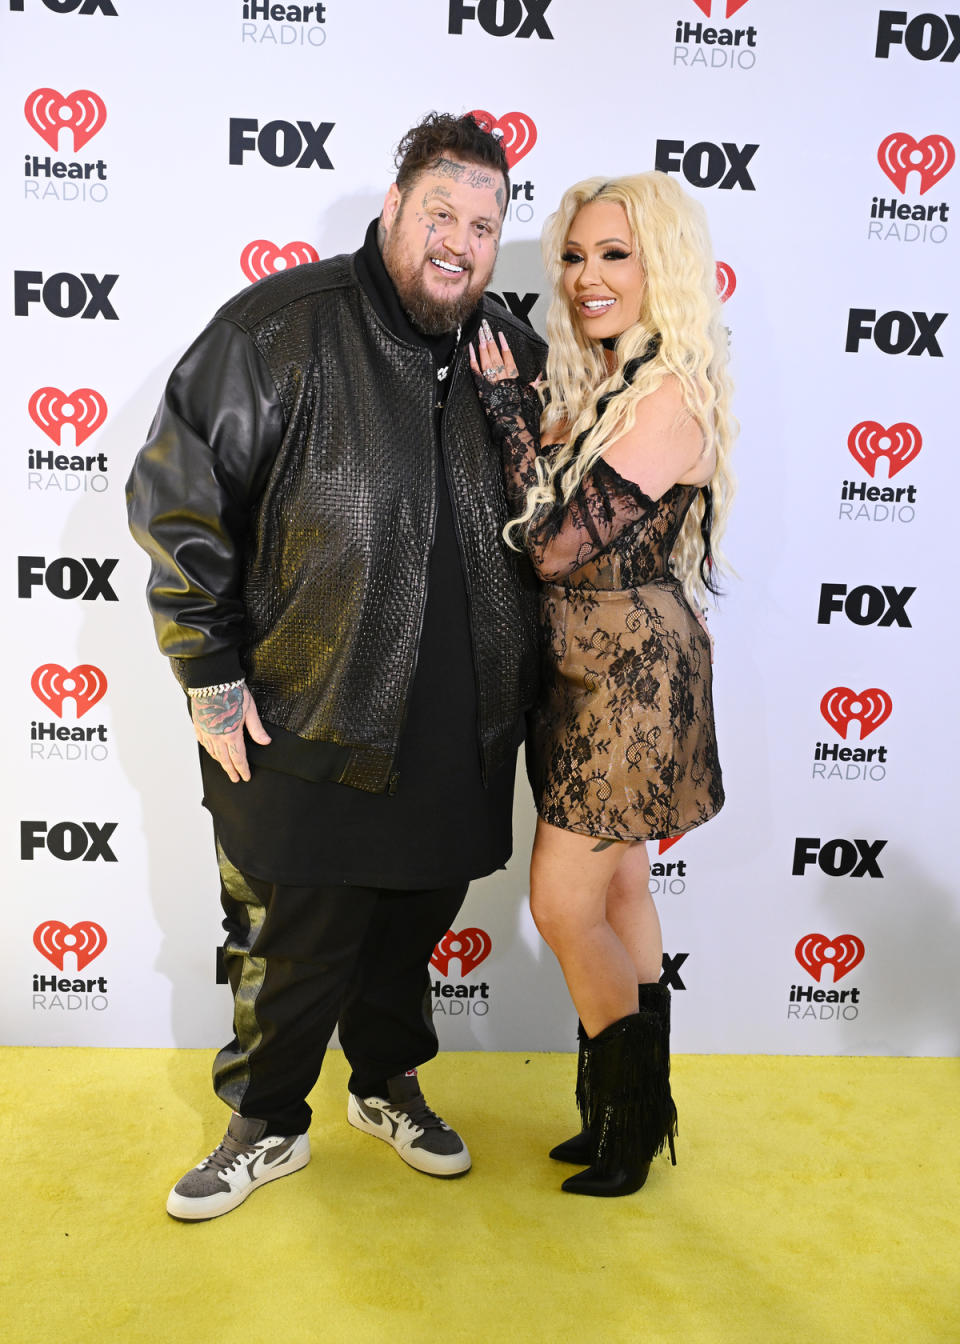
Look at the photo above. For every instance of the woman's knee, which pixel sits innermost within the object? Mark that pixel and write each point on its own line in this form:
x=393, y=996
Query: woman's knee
x=560, y=920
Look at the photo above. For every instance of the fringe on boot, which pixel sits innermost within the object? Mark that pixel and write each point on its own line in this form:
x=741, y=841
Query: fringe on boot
x=579, y=1149
x=655, y=998
x=629, y=1107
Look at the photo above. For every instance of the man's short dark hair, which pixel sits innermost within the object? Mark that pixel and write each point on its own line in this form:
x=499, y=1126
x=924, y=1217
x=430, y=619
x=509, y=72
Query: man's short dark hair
x=440, y=135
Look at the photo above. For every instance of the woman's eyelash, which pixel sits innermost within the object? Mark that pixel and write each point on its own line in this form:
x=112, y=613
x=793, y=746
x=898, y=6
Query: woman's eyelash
x=612, y=254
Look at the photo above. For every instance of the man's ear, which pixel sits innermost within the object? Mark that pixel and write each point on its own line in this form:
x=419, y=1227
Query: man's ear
x=391, y=204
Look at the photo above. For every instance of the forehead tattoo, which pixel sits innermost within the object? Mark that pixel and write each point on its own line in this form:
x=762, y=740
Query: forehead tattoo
x=467, y=174
x=434, y=191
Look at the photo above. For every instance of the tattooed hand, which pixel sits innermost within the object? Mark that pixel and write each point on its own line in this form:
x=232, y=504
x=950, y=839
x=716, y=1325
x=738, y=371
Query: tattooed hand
x=219, y=721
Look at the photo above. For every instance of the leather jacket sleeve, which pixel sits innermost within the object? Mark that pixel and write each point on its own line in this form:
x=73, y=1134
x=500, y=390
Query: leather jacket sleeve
x=191, y=493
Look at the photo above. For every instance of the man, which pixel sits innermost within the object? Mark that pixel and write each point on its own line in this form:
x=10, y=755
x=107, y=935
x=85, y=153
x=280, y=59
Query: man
x=323, y=507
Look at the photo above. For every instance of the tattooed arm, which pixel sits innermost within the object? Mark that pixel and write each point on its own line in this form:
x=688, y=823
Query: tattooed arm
x=219, y=720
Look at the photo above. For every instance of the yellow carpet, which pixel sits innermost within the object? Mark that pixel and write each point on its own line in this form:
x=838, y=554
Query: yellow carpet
x=815, y=1201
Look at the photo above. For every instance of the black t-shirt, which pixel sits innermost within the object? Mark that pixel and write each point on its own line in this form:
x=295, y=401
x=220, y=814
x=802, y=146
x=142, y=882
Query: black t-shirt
x=441, y=826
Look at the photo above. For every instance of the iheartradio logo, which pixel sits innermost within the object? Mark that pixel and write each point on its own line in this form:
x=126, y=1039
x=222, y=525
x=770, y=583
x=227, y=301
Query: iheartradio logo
x=899, y=444
x=517, y=131
x=54, y=940
x=726, y=281
x=262, y=258
x=470, y=947
x=816, y=950
x=729, y=9
x=900, y=155
x=83, y=408
x=82, y=112
x=664, y=845
x=84, y=684
x=841, y=706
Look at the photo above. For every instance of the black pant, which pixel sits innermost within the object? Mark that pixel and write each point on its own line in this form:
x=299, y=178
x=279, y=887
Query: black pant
x=303, y=959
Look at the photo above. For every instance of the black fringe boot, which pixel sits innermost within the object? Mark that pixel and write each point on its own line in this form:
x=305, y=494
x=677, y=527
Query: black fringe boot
x=579, y=1150
x=628, y=1104
x=655, y=998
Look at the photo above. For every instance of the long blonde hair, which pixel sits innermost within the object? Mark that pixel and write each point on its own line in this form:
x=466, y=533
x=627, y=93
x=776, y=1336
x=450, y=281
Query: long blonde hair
x=681, y=311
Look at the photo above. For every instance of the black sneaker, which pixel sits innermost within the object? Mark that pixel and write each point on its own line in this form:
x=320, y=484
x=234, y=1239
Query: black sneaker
x=241, y=1162
x=407, y=1123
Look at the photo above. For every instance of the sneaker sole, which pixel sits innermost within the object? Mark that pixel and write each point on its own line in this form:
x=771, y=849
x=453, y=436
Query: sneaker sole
x=205, y=1207
x=444, y=1167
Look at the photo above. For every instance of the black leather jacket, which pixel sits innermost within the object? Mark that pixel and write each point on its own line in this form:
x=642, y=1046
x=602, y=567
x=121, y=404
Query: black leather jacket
x=286, y=497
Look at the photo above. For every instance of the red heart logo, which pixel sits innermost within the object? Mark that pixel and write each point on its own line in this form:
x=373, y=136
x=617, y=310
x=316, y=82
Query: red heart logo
x=517, y=131
x=54, y=940
x=85, y=684
x=732, y=6
x=840, y=706
x=899, y=444
x=83, y=408
x=82, y=111
x=263, y=258
x=664, y=845
x=816, y=950
x=932, y=157
x=726, y=281
x=469, y=946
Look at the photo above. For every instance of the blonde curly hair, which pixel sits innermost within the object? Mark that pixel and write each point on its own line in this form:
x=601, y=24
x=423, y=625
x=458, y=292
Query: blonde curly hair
x=680, y=309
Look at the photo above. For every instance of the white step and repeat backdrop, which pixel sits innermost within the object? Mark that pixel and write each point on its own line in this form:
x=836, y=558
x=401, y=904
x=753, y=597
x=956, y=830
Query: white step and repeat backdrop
x=158, y=155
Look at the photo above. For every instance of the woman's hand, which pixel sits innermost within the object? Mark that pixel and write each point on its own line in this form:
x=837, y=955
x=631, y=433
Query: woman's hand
x=496, y=362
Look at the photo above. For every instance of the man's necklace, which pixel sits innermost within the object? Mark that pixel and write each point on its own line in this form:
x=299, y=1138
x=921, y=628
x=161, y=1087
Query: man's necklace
x=444, y=369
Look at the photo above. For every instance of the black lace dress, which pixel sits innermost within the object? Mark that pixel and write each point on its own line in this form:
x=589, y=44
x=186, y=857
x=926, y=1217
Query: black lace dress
x=623, y=746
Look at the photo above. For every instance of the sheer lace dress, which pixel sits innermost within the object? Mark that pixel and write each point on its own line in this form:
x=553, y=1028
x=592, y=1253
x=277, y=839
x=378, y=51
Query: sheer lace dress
x=623, y=745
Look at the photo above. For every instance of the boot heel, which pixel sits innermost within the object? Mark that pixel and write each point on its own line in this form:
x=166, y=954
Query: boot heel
x=655, y=998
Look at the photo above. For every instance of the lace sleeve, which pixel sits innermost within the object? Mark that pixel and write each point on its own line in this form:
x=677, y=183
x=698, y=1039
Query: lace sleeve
x=513, y=410
x=562, y=538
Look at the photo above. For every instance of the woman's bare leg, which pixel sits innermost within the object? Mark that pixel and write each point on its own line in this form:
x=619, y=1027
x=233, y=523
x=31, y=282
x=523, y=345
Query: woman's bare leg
x=570, y=877
x=633, y=916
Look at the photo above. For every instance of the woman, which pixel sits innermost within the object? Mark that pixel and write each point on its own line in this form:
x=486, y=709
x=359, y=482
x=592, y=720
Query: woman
x=618, y=516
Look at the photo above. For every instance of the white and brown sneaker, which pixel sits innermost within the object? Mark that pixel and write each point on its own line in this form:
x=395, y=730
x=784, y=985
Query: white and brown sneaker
x=406, y=1122
x=242, y=1161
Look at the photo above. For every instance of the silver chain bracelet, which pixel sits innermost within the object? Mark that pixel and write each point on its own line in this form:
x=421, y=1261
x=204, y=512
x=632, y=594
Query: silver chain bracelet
x=204, y=692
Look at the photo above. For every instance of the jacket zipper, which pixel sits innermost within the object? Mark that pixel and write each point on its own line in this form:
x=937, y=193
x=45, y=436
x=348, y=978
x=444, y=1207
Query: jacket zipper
x=394, y=777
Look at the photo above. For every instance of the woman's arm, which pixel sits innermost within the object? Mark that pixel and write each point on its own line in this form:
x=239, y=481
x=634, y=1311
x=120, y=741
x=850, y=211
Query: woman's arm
x=656, y=452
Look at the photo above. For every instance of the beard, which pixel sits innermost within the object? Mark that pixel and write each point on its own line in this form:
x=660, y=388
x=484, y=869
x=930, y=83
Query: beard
x=430, y=315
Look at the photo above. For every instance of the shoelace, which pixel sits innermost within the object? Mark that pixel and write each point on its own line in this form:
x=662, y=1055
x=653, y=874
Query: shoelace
x=228, y=1154
x=420, y=1114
